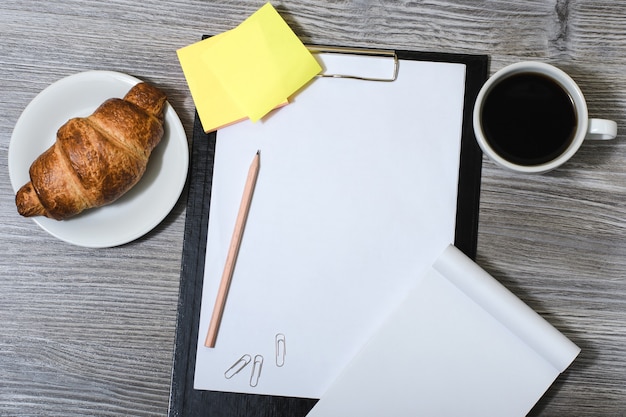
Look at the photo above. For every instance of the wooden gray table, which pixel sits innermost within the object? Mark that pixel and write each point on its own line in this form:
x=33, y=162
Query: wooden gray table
x=91, y=331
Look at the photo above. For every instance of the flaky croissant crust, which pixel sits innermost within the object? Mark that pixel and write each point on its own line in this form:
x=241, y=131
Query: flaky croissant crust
x=96, y=159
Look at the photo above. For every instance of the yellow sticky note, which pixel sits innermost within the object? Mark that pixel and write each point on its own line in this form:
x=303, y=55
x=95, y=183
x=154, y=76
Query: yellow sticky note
x=247, y=71
x=261, y=62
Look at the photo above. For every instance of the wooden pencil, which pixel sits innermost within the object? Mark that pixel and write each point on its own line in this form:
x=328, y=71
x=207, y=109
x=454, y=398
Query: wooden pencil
x=233, y=251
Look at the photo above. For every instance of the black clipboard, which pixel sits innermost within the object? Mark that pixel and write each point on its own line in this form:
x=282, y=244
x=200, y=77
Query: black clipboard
x=184, y=400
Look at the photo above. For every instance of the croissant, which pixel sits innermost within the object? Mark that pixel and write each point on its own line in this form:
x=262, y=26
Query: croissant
x=95, y=159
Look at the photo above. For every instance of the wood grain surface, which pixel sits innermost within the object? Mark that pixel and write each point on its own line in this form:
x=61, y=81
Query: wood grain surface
x=91, y=331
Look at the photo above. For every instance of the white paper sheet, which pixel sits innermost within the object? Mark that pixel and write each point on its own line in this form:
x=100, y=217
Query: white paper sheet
x=356, y=194
x=460, y=345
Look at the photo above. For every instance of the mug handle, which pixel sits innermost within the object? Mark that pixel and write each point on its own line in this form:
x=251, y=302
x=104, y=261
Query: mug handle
x=601, y=129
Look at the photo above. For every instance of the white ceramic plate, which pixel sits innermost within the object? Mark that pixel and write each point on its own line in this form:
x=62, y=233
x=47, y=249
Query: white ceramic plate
x=139, y=210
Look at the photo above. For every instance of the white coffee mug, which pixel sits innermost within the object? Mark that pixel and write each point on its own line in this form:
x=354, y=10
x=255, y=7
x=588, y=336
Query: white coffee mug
x=512, y=125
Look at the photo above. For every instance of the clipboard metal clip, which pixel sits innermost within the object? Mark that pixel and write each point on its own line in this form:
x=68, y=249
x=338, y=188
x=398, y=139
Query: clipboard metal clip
x=320, y=49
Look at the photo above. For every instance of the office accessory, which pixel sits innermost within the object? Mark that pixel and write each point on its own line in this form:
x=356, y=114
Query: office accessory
x=233, y=251
x=187, y=401
x=281, y=349
x=257, y=366
x=357, y=52
x=247, y=71
x=460, y=344
x=238, y=366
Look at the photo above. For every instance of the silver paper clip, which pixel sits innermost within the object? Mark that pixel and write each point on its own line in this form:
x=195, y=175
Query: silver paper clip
x=238, y=366
x=257, y=365
x=358, y=51
x=281, y=350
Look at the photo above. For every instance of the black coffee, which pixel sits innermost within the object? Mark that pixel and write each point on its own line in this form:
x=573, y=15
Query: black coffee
x=528, y=119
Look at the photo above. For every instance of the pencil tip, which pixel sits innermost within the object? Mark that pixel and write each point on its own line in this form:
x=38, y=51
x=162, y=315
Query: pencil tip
x=258, y=152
